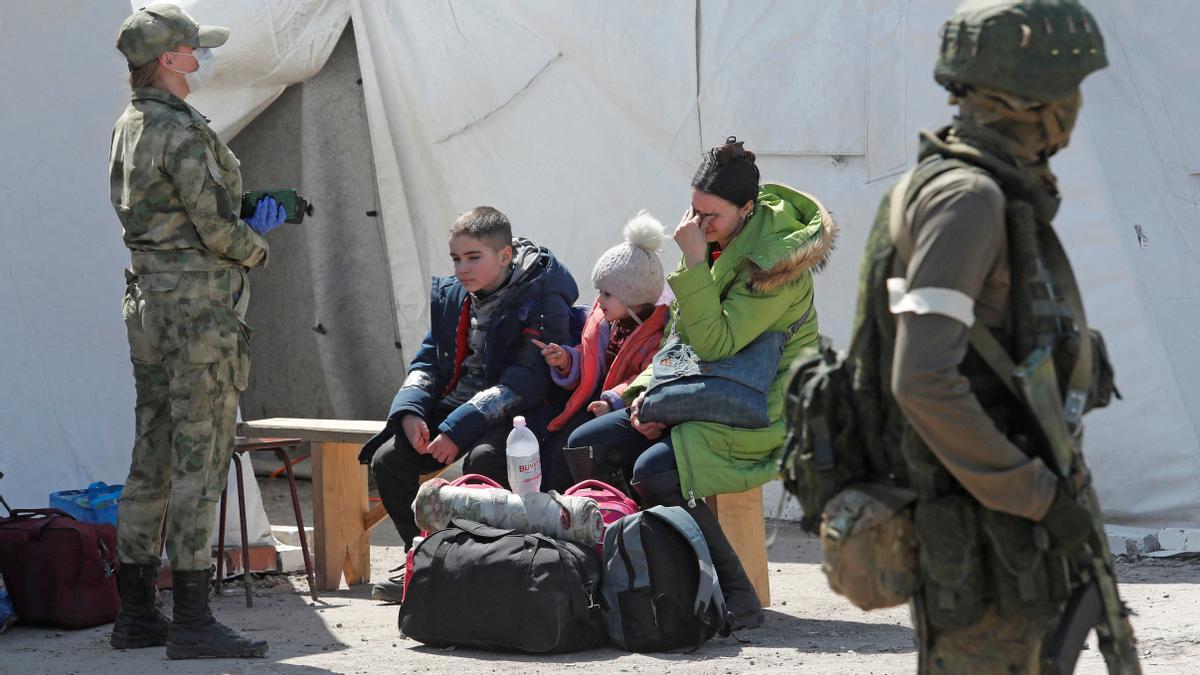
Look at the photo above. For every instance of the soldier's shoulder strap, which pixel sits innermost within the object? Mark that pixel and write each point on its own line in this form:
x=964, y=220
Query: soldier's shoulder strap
x=903, y=192
x=906, y=190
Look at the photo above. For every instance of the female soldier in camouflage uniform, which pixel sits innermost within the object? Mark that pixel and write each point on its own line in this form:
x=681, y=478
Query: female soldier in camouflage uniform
x=175, y=187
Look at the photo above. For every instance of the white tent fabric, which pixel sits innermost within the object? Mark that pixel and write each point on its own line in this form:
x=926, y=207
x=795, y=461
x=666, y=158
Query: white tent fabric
x=66, y=398
x=572, y=116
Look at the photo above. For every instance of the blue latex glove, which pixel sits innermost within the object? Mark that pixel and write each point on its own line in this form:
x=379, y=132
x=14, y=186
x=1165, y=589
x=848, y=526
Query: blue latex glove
x=268, y=215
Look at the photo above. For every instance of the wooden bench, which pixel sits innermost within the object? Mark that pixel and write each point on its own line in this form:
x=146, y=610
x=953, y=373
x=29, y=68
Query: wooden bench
x=343, y=517
x=741, y=517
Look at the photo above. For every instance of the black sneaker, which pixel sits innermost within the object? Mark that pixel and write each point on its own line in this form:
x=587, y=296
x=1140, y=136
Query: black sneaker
x=391, y=590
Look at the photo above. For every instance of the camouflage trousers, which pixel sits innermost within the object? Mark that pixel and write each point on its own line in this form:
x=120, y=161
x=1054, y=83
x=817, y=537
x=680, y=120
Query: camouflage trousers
x=190, y=356
x=1004, y=645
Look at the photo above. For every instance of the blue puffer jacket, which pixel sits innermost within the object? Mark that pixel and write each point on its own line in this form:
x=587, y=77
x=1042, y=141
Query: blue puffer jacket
x=538, y=307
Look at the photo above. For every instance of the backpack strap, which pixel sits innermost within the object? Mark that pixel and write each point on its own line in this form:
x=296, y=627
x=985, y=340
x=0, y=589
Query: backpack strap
x=629, y=539
x=981, y=337
x=797, y=324
x=709, y=588
x=897, y=201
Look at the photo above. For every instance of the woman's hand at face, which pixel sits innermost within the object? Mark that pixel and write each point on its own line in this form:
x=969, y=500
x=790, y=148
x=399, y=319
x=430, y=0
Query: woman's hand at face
x=689, y=236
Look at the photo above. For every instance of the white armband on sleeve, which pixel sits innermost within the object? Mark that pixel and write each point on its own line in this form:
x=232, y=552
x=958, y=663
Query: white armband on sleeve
x=945, y=301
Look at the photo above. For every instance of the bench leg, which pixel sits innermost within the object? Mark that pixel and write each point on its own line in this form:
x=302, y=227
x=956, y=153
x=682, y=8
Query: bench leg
x=237, y=470
x=343, y=544
x=220, y=542
x=741, y=517
x=283, y=456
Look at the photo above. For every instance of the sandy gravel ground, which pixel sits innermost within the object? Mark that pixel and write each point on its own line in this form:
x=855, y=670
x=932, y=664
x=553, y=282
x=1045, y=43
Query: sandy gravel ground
x=808, y=630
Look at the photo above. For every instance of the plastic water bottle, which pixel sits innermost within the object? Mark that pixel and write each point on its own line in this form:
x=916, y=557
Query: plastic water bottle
x=524, y=459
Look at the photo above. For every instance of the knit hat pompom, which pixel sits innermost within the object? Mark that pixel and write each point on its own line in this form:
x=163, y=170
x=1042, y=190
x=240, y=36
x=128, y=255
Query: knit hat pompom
x=631, y=271
x=645, y=232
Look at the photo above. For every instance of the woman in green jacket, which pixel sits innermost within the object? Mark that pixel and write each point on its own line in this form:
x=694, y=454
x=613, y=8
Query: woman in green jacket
x=748, y=253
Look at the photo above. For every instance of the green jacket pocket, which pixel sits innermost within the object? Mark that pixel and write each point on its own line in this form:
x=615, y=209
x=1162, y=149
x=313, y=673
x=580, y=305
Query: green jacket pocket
x=157, y=282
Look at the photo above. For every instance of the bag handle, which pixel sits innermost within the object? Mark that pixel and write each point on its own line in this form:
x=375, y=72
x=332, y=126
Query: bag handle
x=46, y=516
x=479, y=529
x=475, y=479
x=594, y=484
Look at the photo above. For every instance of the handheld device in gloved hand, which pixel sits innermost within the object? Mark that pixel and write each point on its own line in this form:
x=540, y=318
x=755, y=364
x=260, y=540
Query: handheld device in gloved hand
x=296, y=206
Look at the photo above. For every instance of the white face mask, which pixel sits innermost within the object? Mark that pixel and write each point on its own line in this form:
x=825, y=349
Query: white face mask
x=199, y=77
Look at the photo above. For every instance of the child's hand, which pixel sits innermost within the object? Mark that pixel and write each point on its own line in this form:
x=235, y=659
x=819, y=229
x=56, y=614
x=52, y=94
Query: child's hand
x=599, y=408
x=417, y=433
x=556, y=357
x=443, y=449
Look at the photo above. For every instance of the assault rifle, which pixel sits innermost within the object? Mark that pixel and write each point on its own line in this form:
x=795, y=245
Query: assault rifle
x=1094, y=602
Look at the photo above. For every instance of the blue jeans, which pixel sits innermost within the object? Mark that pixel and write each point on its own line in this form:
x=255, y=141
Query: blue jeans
x=647, y=457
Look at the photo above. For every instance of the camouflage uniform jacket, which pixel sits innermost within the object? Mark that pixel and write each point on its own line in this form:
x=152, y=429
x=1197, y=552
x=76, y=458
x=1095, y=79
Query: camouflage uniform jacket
x=176, y=188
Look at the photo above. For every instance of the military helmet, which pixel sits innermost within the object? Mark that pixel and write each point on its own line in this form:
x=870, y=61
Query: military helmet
x=1034, y=49
x=157, y=29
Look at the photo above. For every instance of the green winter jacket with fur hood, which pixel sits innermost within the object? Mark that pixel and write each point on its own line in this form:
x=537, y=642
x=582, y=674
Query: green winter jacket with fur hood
x=767, y=269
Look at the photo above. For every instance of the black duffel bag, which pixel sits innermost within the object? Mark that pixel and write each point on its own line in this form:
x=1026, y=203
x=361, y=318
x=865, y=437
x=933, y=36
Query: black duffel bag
x=478, y=586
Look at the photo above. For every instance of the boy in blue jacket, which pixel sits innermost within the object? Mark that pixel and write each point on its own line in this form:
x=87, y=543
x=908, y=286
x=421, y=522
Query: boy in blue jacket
x=477, y=367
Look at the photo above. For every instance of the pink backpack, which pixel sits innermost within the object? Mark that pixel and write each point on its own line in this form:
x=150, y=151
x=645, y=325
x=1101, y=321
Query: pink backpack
x=614, y=504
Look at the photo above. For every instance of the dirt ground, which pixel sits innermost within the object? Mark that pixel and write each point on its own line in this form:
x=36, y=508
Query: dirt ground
x=808, y=629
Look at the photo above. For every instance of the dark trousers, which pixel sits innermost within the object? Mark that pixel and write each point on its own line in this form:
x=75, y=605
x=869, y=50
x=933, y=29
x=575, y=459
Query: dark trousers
x=642, y=457
x=556, y=475
x=398, y=468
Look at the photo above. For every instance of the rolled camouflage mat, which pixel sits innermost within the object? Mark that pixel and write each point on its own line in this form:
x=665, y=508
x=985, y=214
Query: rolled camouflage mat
x=438, y=502
x=575, y=519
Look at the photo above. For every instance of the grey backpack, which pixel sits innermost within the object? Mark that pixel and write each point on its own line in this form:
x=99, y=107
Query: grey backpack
x=660, y=590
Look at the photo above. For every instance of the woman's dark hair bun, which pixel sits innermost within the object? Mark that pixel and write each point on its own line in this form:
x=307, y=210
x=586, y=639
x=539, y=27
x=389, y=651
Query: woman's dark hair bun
x=729, y=172
x=732, y=149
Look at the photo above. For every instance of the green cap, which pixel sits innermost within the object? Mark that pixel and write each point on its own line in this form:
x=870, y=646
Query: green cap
x=1038, y=50
x=156, y=29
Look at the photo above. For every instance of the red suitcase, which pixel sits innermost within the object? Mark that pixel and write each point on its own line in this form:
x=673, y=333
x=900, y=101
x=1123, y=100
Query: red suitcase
x=58, y=570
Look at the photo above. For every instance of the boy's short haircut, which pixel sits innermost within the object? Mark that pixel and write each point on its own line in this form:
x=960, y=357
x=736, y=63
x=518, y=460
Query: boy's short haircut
x=486, y=224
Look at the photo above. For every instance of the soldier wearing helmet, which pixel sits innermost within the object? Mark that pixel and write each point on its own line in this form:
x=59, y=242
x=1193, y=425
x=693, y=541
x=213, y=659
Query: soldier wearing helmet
x=175, y=187
x=965, y=238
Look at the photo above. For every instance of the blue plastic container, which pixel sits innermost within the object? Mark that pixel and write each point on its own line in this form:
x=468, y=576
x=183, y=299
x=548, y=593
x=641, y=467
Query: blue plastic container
x=97, y=504
x=7, y=614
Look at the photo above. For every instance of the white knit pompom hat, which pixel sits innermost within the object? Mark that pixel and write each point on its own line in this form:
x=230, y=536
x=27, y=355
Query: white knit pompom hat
x=632, y=271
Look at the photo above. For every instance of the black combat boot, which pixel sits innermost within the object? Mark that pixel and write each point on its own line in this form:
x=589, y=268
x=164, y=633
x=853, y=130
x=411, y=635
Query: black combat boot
x=740, y=597
x=139, y=624
x=600, y=462
x=195, y=634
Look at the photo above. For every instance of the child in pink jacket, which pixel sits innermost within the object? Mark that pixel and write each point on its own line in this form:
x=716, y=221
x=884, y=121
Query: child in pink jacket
x=621, y=336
